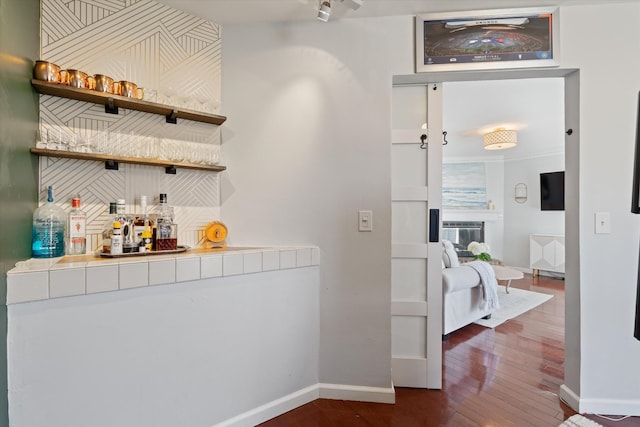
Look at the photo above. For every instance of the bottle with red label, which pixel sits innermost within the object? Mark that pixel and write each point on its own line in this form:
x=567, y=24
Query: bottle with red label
x=76, y=229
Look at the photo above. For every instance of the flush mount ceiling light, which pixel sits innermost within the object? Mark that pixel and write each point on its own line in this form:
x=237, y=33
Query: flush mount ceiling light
x=500, y=139
x=325, y=10
x=352, y=4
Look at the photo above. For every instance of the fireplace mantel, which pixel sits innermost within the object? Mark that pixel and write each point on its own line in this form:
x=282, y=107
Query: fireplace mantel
x=485, y=215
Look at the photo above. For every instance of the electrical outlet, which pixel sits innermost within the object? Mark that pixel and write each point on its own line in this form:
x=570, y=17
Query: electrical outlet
x=365, y=220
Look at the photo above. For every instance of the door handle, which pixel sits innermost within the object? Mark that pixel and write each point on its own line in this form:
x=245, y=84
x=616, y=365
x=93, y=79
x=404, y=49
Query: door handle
x=434, y=225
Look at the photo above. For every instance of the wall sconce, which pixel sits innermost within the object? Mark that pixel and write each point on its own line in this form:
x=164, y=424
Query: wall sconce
x=520, y=192
x=500, y=139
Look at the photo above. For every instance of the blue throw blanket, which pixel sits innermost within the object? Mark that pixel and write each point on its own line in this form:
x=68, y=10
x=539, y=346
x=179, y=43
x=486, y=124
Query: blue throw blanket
x=488, y=282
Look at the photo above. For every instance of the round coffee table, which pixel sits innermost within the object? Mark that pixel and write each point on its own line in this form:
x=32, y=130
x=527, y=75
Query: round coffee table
x=507, y=273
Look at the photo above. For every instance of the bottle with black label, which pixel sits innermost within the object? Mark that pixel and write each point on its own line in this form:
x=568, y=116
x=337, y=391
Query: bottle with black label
x=165, y=236
x=107, y=229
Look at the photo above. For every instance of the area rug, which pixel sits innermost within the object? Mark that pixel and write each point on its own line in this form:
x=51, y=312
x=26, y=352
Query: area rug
x=513, y=304
x=579, y=421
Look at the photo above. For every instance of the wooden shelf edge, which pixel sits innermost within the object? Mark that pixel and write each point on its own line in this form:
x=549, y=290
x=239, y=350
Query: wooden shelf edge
x=102, y=98
x=121, y=159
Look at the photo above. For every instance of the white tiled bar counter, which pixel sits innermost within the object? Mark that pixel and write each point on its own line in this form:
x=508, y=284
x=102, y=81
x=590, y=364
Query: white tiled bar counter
x=206, y=337
x=41, y=279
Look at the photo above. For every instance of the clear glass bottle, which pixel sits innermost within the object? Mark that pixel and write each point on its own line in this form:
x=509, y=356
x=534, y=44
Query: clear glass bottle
x=117, y=247
x=47, y=236
x=141, y=221
x=76, y=236
x=165, y=236
x=107, y=228
x=126, y=227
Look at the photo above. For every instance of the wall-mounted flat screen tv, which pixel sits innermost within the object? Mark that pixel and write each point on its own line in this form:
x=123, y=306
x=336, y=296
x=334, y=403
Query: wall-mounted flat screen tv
x=489, y=39
x=552, y=191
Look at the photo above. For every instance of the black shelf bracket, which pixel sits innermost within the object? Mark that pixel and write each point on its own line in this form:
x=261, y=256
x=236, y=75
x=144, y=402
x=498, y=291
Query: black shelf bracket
x=172, y=117
x=110, y=107
x=111, y=165
x=171, y=170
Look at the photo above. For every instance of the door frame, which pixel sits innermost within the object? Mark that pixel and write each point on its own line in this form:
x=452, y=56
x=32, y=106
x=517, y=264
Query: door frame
x=571, y=387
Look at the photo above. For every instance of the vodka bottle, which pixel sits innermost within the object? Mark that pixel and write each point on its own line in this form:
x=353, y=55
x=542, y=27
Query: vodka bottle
x=76, y=241
x=47, y=236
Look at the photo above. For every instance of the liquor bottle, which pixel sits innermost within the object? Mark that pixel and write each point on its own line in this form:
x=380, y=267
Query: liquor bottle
x=141, y=221
x=166, y=231
x=76, y=241
x=126, y=227
x=142, y=227
x=116, y=239
x=47, y=236
x=107, y=229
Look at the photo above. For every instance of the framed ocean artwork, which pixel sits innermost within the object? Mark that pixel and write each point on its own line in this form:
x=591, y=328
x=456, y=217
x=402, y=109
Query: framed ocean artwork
x=464, y=186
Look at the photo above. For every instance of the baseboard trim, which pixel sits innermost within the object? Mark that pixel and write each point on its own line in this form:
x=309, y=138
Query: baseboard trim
x=273, y=409
x=309, y=394
x=615, y=407
x=358, y=393
x=569, y=397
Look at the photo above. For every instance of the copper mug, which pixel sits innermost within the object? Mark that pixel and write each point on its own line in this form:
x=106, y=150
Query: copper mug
x=46, y=71
x=100, y=83
x=128, y=89
x=74, y=78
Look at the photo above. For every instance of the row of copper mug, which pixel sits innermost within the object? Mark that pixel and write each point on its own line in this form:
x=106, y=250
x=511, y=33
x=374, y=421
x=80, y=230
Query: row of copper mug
x=50, y=72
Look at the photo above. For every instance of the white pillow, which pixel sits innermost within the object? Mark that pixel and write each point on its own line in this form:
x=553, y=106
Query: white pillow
x=449, y=255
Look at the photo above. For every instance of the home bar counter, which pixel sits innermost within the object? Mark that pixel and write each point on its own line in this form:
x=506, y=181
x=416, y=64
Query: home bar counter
x=204, y=337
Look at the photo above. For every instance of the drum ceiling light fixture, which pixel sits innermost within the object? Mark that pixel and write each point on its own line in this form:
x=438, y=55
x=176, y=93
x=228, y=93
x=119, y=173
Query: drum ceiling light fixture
x=500, y=139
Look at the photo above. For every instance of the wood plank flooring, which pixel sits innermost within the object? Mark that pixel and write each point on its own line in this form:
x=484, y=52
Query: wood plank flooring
x=502, y=377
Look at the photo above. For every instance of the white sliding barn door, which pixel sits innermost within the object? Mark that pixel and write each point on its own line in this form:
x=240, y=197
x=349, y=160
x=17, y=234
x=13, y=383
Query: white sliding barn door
x=416, y=272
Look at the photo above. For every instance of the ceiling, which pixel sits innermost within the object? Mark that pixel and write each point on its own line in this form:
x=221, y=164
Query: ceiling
x=533, y=107
x=230, y=12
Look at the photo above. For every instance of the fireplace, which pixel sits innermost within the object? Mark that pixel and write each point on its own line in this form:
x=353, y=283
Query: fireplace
x=461, y=233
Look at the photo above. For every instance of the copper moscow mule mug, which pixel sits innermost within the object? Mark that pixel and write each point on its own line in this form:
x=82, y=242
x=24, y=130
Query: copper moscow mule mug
x=101, y=83
x=74, y=78
x=46, y=71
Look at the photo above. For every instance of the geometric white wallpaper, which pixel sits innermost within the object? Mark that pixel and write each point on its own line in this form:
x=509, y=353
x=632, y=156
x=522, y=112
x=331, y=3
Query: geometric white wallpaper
x=176, y=58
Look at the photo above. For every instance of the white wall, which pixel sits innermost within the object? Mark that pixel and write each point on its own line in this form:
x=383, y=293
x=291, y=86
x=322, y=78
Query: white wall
x=523, y=219
x=608, y=371
x=307, y=145
x=187, y=354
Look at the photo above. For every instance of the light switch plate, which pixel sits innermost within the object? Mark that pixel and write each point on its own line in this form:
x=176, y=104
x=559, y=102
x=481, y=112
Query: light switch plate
x=602, y=223
x=365, y=220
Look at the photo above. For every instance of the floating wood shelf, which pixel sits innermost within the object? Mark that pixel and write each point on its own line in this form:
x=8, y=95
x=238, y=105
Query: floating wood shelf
x=112, y=102
x=169, y=166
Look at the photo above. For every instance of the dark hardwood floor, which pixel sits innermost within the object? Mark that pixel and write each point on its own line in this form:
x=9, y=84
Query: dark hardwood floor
x=507, y=376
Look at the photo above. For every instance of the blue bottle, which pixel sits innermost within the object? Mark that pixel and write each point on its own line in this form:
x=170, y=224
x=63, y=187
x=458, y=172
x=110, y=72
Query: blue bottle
x=47, y=237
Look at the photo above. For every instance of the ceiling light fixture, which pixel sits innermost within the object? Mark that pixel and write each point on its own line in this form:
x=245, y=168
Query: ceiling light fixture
x=325, y=10
x=500, y=139
x=353, y=4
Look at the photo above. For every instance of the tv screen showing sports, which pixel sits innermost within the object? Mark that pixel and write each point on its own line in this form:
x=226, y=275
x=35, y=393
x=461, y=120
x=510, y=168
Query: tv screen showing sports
x=552, y=191
x=492, y=39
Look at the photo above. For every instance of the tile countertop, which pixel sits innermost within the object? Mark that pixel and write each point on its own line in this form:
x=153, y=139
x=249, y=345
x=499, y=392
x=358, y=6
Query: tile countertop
x=42, y=279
